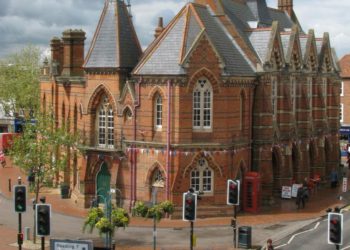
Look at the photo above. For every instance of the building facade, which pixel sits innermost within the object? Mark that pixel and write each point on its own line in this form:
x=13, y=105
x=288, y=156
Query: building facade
x=226, y=88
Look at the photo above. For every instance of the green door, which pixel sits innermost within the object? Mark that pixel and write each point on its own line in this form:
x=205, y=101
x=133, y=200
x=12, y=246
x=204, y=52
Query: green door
x=103, y=182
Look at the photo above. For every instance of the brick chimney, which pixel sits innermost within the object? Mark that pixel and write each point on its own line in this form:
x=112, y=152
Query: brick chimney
x=73, y=52
x=286, y=5
x=160, y=27
x=56, y=54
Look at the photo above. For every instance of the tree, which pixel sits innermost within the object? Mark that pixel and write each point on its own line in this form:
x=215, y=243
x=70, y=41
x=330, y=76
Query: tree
x=19, y=81
x=42, y=150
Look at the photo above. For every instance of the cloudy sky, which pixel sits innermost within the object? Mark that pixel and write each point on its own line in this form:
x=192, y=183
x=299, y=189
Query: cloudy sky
x=35, y=22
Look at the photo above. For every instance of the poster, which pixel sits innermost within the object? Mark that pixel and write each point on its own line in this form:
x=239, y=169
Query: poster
x=286, y=192
x=295, y=188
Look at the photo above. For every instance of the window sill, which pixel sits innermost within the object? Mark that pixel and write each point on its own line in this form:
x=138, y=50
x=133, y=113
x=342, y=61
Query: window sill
x=202, y=130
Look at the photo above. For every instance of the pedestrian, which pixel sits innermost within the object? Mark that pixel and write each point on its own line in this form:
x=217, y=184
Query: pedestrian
x=269, y=245
x=301, y=197
x=334, y=178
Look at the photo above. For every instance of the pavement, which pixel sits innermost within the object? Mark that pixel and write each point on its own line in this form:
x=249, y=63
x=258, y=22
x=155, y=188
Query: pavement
x=283, y=215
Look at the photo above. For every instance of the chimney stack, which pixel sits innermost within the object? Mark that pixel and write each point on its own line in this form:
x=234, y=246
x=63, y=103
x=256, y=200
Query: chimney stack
x=286, y=5
x=57, y=54
x=73, y=52
x=160, y=27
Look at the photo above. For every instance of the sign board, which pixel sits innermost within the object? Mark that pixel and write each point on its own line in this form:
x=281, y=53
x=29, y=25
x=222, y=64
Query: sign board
x=71, y=244
x=345, y=184
x=295, y=188
x=286, y=192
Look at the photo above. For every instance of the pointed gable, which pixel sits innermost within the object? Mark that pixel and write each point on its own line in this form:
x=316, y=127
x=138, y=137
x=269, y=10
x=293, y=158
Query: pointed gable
x=115, y=44
x=309, y=50
x=294, y=55
x=168, y=53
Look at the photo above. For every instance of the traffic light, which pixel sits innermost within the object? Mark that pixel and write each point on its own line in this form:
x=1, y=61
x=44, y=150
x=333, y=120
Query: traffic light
x=189, y=206
x=20, y=238
x=335, y=228
x=43, y=214
x=20, y=198
x=233, y=190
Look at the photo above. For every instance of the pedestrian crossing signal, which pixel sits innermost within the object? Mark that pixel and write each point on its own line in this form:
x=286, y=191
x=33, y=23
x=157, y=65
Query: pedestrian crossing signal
x=335, y=228
x=233, y=190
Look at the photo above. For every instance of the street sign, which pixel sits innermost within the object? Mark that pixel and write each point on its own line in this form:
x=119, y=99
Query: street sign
x=345, y=184
x=71, y=244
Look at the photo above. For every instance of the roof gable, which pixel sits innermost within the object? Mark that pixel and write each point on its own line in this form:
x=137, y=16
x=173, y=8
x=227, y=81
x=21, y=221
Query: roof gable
x=294, y=54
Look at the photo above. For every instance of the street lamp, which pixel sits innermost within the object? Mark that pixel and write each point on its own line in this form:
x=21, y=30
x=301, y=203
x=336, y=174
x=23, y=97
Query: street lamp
x=157, y=184
x=107, y=210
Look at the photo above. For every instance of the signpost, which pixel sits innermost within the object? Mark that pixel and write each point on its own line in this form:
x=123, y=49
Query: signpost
x=71, y=244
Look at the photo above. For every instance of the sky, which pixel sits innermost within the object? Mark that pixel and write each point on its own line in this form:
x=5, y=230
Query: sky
x=35, y=22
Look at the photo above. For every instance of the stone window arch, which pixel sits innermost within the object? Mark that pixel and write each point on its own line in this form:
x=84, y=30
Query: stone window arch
x=202, y=105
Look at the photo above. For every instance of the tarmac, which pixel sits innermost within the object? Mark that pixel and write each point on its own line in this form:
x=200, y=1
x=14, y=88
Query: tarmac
x=284, y=211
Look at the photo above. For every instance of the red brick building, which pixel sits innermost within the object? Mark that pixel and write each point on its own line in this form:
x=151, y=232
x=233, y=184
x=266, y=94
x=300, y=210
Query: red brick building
x=227, y=87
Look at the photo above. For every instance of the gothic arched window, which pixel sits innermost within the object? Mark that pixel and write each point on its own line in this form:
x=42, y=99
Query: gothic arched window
x=105, y=124
x=202, y=177
x=158, y=111
x=202, y=104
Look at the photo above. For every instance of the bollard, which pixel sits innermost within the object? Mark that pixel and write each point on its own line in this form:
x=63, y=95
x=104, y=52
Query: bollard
x=9, y=185
x=26, y=233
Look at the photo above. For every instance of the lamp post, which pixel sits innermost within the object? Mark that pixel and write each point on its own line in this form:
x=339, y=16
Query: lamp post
x=155, y=186
x=107, y=210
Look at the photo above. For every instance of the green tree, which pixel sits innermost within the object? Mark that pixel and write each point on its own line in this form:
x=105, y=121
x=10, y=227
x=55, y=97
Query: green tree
x=42, y=150
x=19, y=81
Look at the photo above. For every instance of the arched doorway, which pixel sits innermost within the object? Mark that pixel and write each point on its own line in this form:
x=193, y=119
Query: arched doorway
x=103, y=182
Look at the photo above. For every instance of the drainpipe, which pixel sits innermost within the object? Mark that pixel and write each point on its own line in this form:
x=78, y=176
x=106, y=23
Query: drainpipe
x=133, y=151
x=168, y=144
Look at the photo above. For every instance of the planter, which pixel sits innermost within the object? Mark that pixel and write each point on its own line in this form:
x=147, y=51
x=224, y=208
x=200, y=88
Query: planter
x=64, y=191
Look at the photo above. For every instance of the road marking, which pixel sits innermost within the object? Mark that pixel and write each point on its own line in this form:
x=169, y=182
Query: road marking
x=293, y=236
x=347, y=247
x=281, y=246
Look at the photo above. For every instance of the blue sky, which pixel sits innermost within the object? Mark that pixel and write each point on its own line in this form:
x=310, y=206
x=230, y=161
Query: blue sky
x=37, y=21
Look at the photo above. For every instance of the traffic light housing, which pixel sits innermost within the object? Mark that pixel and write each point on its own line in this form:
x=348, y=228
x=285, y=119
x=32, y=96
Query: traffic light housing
x=43, y=214
x=189, y=210
x=335, y=228
x=233, y=190
x=20, y=198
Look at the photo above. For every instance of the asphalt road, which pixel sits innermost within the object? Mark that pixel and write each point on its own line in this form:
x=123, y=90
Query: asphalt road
x=315, y=236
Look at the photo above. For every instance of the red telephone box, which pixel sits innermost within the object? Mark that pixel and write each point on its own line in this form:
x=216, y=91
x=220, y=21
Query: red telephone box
x=251, y=192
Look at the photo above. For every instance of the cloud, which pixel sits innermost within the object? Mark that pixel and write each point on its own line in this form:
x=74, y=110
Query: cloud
x=37, y=21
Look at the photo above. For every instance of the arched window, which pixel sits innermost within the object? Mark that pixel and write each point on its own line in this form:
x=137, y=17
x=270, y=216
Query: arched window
x=158, y=111
x=202, y=105
x=105, y=124
x=157, y=176
x=202, y=177
x=127, y=114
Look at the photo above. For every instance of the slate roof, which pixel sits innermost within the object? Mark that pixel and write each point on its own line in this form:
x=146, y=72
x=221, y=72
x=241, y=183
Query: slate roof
x=260, y=12
x=165, y=56
x=115, y=44
x=285, y=39
x=284, y=21
x=260, y=39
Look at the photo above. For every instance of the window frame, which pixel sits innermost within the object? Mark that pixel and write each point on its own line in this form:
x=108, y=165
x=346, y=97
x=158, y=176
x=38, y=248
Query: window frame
x=158, y=114
x=342, y=88
x=198, y=177
x=104, y=120
x=201, y=104
x=341, y=115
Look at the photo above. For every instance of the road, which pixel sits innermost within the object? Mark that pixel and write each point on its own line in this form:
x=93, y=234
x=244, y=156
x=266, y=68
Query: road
x=315, y=236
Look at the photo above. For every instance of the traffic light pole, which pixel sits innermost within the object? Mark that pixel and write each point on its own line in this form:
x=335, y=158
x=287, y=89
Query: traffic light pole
x=234, y=226
x=19, y=221
x=19, y=230
x=191, y=235
x=42, y=243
